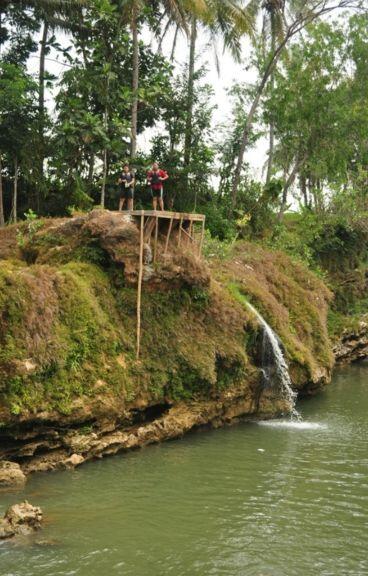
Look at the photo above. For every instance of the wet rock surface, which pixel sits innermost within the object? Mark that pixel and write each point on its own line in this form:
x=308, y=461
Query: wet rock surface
x=11, y=474
x=20, y=519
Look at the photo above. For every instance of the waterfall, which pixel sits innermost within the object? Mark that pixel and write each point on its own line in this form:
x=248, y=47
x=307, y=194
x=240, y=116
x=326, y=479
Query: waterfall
x=274, y=366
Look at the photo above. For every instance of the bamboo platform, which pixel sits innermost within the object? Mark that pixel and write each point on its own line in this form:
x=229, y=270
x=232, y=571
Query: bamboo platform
x=177, y=228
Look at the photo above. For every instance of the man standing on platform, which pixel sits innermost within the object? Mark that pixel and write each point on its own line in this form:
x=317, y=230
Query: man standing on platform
x=127, y=182
x=155, y=179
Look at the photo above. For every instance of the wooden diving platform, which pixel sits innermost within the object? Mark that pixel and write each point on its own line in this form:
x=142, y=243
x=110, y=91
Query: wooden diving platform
x=176, y=228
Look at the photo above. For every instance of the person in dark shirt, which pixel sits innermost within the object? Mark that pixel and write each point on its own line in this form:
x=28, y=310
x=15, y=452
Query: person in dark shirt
x=155, y=179
x=127, y=182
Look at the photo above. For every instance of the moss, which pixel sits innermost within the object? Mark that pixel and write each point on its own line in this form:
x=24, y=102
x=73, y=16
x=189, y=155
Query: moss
x=78, y=330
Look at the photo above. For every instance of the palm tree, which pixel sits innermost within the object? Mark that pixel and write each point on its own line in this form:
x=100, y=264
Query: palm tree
x=226, y=20
x=55, y=15
x=132, y=11
x=274, y=28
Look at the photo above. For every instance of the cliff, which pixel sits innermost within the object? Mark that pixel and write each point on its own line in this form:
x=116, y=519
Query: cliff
x=70, y=386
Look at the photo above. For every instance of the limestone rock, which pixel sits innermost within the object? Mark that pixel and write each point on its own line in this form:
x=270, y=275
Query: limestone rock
x=20, y=519
x=353, y=344
x=11, y=474
x=74, y=460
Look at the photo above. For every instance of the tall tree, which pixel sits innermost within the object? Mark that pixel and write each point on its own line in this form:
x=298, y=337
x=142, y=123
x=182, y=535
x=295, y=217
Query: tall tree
x=18, y=116
x=132, y=12
x=306, y=12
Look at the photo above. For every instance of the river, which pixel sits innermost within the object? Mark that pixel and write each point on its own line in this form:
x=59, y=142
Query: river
x=254, y=499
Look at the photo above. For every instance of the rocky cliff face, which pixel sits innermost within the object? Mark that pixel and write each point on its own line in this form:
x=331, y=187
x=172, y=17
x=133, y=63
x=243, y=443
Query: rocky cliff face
x=353, y=343
x=71, y=388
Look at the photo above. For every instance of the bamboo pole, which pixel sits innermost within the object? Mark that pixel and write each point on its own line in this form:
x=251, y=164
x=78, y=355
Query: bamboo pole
x=139, y=294
x=168, y=236
x=191, y=230
x=156, y=238
x=180, y=229
x=202, y=238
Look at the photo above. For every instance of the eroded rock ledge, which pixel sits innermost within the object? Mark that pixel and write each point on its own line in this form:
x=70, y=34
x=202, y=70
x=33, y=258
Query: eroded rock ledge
x=55, y=448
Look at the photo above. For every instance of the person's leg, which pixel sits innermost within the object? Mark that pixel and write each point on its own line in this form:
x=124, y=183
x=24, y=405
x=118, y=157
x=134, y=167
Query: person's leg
x=161, y=201
x=130, y=204
x=121, y=204
x=154, y=202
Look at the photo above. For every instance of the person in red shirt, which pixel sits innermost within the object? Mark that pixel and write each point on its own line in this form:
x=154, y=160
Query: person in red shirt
x=155, y=179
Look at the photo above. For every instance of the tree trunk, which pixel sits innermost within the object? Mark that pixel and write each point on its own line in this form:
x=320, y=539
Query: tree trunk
x=135, y=83
x=106, y=127
x=271, y=147
x=104, y=178
x=41, y=105
x=190, y=101
x=303, y=189
x=2, y=219
x=15, y=191
x=173, y=48
x=272, y=125
x=91, y=167
x=289, y=182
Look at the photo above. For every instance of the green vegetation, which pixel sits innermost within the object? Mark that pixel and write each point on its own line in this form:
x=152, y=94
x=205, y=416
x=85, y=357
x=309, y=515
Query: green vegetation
x=68, y=328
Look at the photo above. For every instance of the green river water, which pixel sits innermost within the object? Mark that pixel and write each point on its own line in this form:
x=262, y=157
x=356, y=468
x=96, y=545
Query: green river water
x=266, y=499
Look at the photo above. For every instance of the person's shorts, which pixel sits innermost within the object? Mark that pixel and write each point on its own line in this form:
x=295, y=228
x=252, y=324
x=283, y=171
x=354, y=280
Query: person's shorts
x=157, y=193
x=127, y=193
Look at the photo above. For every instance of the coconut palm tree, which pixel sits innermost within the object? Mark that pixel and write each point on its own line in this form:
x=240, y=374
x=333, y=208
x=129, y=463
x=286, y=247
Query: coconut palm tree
x=226, y=21
x=132, y=10
x=55, y=15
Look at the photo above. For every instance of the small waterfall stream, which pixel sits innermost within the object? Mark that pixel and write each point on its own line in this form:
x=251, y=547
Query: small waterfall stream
x=274, y=366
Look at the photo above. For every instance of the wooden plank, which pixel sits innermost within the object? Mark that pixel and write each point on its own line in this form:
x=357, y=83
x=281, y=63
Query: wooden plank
x=168, y=215
x=140, y=279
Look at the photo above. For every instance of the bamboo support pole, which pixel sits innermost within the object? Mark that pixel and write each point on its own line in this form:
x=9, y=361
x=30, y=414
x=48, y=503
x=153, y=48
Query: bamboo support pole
x=191, y=230
x=180, y=229
x=156, y=238
x=168, y=235
x=140, y=279
x=202, y=239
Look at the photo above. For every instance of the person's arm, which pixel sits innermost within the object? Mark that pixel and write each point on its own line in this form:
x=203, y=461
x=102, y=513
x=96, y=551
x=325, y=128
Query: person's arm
x=149, y=177
x=132, y=183
x=164, y=177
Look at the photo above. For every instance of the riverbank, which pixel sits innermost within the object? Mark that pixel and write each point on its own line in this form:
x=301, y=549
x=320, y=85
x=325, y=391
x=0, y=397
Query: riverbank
x=71, y=387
